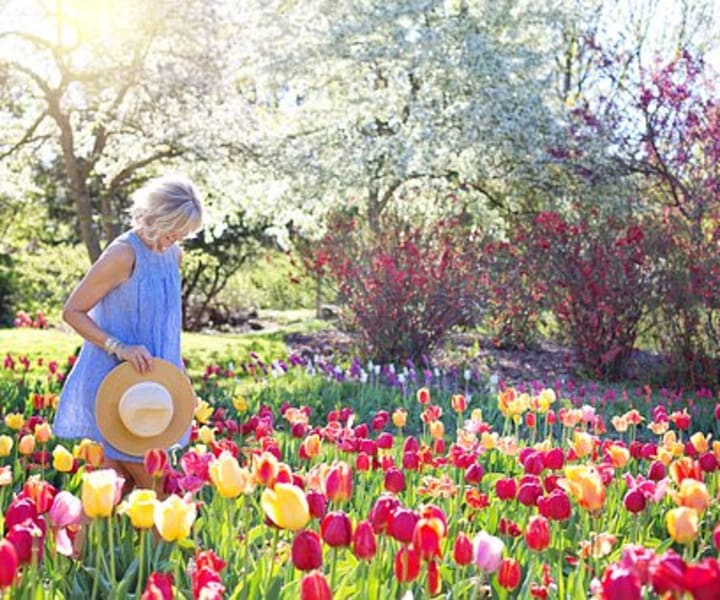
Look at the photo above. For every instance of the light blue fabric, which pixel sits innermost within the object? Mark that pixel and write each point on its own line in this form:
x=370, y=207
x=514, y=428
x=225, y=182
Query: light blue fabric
x=144, y=310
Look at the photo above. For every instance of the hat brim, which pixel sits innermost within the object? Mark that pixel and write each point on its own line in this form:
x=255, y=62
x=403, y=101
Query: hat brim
x=114, y=386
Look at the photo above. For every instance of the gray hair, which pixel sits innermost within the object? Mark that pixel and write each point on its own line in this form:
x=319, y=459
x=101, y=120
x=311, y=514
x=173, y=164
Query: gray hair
x=166, y=205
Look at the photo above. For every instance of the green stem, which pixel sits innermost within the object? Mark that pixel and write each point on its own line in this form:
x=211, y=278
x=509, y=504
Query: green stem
x=141, y=564
x=98, y=554
x=272, y=557
x=332, y=571
x=112, y=552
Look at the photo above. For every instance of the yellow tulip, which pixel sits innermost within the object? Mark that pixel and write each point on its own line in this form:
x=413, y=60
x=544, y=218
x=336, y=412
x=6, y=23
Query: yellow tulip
x=174, y=518
x=586, y=485
x=89, y=451
x=229, y=478
x=682, y=524
x=437, y=430
x=101, y=492
x=700, y=442
x=26, y=446
x=286, y=506
x=140, y=507
x=62, y=459
x=206, y=434
x=203, y=412
x=583, y=444
x=693, y=494
x=15, y=421
x=399, y=418
x=240, y=404
x=6, y=444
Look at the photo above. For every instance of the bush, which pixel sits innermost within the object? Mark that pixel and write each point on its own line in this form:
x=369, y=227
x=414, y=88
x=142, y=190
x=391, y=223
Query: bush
x=600, y=279
x=403, y=288
x=7, y=289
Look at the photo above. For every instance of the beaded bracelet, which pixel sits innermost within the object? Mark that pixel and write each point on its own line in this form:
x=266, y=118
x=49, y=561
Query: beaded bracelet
x=114, y=346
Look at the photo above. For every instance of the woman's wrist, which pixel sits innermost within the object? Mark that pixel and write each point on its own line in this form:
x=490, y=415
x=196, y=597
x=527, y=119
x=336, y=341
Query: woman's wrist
x=114, y=346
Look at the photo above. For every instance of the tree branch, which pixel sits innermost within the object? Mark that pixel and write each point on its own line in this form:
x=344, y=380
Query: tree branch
x=27, y=138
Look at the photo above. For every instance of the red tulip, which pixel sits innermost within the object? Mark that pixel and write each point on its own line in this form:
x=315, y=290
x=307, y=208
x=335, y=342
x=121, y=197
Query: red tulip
x=621, y=583
x=382, y=511
x=634, y=501
x=407, y=564
x=41, y=492
x=427, y=535
x=668, y=573
x=317, y=504
x=156, y=462
x=506, y=489
x=509, y=573
x=306, y=551
x=411, y=444
x=339, y=483
x=462, y=550
x=507, y=527
x=384, y=440
x=474, y=473
x=336, y=529
x=8, y=563
x=402, y=525
x=708, y=462
x=20, y=509
x=554, y=459
x=364, y=545
x=24, y=536
x=556, y=506
x=394, y=480
x=657, y=471
x=537, y=533
x=314, y=586
x=158, y=587
x=423, y=396
x=411, y=461
x=530, y=420
x=702, y=580
x=362, y=462
x=529, y=493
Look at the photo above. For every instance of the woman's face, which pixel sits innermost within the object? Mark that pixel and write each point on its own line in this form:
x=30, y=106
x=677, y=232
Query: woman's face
x=168, y=239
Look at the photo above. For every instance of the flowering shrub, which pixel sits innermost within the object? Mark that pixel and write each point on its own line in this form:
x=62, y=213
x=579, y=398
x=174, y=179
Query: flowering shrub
x=403, y=287
x=598, y=282
x=23, y=319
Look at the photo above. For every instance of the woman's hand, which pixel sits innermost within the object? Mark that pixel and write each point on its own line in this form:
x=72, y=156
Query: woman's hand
x=138, y=356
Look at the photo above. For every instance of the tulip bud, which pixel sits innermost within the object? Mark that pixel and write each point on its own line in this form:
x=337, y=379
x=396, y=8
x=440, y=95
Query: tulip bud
x=506, y=489
x=314, y=586
x=462, y=550
x=487, y=552
x=657, y=471
x=474, y=473
x=364, y=545
x=339, y=483
x=394, y=480
x=537, y=533
x=156, y=462
x=8, y=564
x=407, y=564
x=336, y=529
x=382, y=512
x=26, y=446
x=402, y=525
x=634, y=501
x=306, y=551
x=509, y=574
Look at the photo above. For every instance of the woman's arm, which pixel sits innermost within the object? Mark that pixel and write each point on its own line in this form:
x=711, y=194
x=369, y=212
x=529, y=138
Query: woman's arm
x=111, y=269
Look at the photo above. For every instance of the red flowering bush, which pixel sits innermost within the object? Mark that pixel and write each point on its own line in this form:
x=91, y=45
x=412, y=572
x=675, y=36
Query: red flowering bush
x=403, y=287
x=597, y=278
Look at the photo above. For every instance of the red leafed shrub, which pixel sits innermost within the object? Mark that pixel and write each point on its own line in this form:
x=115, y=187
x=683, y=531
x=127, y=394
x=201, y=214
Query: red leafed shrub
x=598, y=280
x=403, y=287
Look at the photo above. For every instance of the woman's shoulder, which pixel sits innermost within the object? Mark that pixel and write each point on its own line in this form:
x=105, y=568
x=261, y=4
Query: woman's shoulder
x=120, y=252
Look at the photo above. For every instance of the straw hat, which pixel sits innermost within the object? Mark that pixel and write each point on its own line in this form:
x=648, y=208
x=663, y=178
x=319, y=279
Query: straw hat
x=136, y=413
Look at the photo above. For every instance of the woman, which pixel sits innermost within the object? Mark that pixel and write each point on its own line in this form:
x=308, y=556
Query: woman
x=128, y=308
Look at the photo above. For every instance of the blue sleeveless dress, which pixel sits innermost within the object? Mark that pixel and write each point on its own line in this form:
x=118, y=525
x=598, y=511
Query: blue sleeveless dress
x=144, y=310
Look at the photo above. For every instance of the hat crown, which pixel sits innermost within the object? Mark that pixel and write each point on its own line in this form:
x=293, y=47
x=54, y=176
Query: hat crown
x=146, y=409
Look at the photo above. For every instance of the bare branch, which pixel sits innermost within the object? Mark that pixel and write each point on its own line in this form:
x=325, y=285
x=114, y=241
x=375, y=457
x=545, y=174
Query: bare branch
x=27, y=138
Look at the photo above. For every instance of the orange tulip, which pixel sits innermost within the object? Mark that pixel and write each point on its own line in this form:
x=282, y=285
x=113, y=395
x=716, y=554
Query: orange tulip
x=693, y=494
x=583, y=444
x=682, y=524
x=619, y=456
x=586, y=485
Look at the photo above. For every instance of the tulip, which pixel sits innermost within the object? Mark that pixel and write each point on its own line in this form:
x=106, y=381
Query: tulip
x=6, y=444
x=382, y=512
x=619, y=456
x=682, y=524
x=66, y=510
x=399, y=418
x=174, y=517
x=407, y=564
x=668, y=574
x=657, y=471
x=43, y=433
x=635, y=501
x=101, y=492
x=702, y=580
x=506, y=489
x=487, y=552
x=437, y=430
x=693, y=494
x=462, y=550
x=339, y=483
x=20, y=509
x=310, y=447
x=364, y=544
x=385, y=441
x=306, y=552
x=423, y=396
x=26, y=537
x=509, y=573
x=394, y=480
x=427, y=536
x=229, y=478
x=91, y=452
x=586, y=485
x=317, y=504
x=618, y=582
x=537, y=533
x=26, y=446
x=156, y=462
x=8, y=564
x=474, y=473
x=41, y=492
x=529, y=493
x=140, y=507
x=556, y=506
x=265, y=469
x=314, y=586
x=402, y=525
x=15, y=421
x=286, y=506
x=63, y=460
x=336, y=529
x=158, y=587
